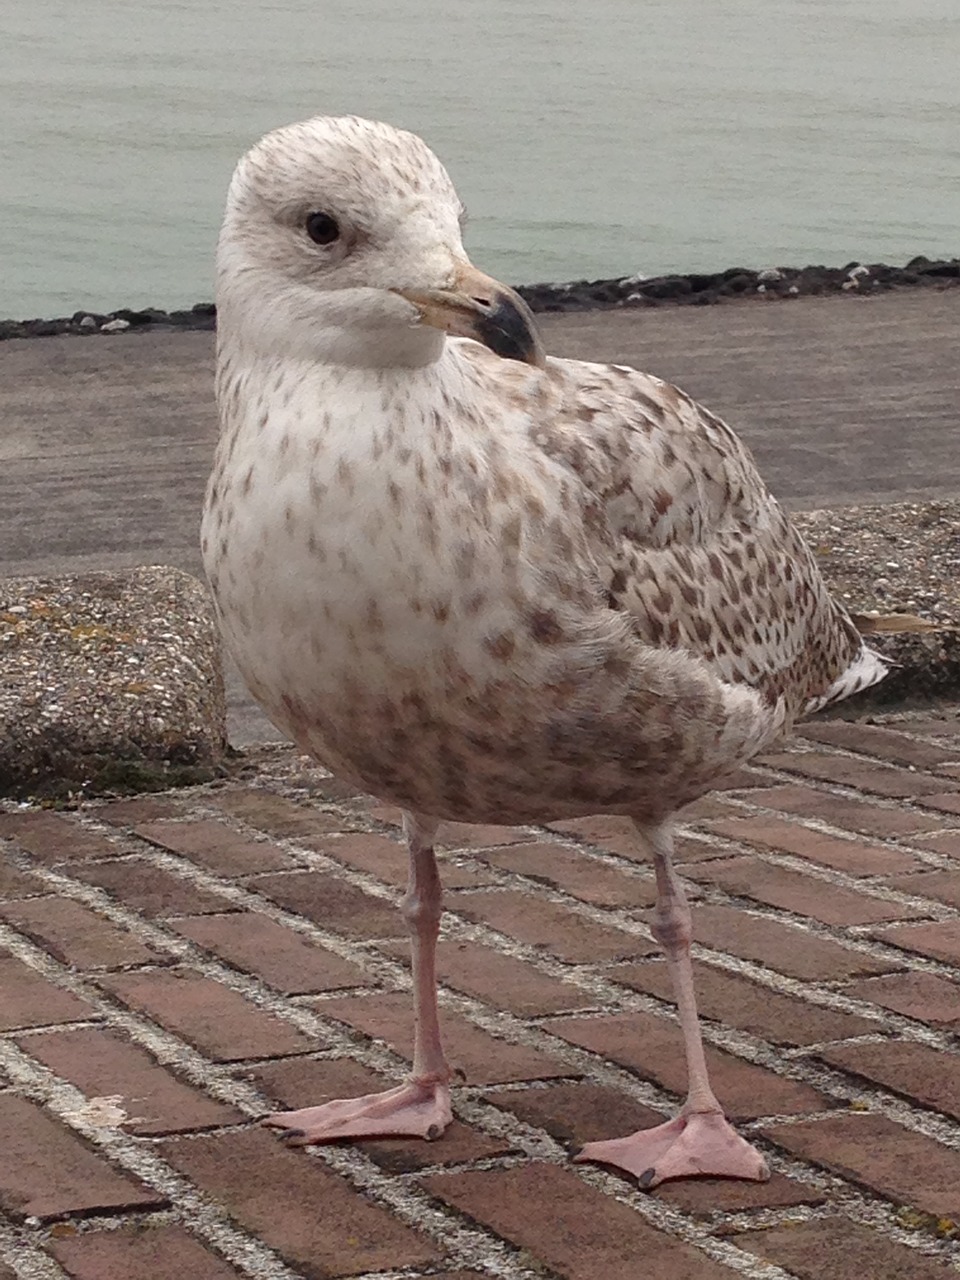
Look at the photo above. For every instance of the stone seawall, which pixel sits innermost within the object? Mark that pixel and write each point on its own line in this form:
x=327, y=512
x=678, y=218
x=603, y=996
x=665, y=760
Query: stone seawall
x=695, y=289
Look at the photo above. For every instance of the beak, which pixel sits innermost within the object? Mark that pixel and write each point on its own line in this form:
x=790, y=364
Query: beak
x=479, y=307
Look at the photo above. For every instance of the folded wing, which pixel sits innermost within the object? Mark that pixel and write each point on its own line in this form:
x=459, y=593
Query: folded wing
x=692, y=545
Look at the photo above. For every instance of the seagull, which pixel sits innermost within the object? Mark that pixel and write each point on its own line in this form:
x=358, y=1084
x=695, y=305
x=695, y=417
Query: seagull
x=480, y=583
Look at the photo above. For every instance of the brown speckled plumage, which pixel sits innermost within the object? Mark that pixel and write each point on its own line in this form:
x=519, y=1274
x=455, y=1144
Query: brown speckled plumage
x=481, y=589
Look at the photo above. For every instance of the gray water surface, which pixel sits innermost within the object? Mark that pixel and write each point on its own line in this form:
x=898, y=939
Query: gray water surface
x=588, y=137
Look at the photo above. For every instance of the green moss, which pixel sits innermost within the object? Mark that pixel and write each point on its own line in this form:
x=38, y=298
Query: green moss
x=928, y=1223
x=88, y=777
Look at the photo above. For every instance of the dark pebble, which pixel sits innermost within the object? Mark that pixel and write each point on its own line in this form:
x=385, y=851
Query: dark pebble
x=135, y=318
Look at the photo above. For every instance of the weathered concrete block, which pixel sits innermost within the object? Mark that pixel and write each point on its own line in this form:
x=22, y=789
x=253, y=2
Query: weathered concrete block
x=108, y=682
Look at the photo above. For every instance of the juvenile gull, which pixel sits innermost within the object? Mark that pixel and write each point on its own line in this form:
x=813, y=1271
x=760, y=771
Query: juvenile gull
x=485, y=588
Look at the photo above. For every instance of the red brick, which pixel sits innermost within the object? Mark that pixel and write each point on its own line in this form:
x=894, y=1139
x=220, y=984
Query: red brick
x=126, y=813
x=780, y=946
x=75, y=935
x=499, y=979
x=47, y=1172
x=873, y=740
x=945, y=842
x=873, y=1152
x=838, y=1249
x=841, y=811
x=144, y=1250
x=282, y=958
x=569, y=1227
x=308, y=1082
x=728, y=998
x=313, y=1219
x=102, y=1063
x=477, y=835
x=449, y=1275
x=389, y=860
x=455, y=835
x=151, y=890
x=744, y=778
x=332, y=903
x=652, y=1047
x=689, y=849
x=27, y=999
x=704, y=1197
x=574, y=1114
x=940, y=723
x=926, y=1076
x=220, y=1022
x=923, y=996
x=881, y=779
x=480, y=1056
x=215, y=846
x=615, y=835
x=941, y=886
x=940, y=940
x=776, y=886
x=855, y=857
x=52, y=839
x=619, y=836
x=279, y=816
x=15, y=883
x=550, y=925
x=576, y=873
x=947, y=802
x=715, y=805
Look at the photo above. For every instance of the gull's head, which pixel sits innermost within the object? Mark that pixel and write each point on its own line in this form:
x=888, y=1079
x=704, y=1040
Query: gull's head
x=342, y=242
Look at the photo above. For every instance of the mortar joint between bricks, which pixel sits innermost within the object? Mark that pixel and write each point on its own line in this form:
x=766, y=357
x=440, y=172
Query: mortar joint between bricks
x=349, y=1043
x=24, y=1256
x=668, y=1218
x=201, y=1214
x=868, y=886
x=312, y=1024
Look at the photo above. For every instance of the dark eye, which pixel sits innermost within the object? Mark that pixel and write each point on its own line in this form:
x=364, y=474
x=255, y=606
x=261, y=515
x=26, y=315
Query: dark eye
x=322, y=229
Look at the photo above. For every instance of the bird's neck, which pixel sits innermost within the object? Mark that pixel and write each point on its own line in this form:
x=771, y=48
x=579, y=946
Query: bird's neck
x=300, y=326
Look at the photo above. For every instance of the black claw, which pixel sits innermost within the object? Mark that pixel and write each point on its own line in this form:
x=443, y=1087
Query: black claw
x=293, y=1136
x=647, y=1177
x=433, y=1132
x=460, y=1074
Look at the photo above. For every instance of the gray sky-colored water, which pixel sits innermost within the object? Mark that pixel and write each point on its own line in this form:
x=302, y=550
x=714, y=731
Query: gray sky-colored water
x=588, y=137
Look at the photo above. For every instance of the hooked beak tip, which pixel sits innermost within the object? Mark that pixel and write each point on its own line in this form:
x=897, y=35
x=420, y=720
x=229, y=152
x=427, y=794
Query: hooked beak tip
x=481, y=308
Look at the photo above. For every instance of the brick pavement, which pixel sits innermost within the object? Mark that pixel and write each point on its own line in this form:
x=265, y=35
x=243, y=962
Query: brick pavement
x=173, y=966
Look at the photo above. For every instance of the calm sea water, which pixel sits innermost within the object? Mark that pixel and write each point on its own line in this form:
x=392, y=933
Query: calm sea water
x=588, y=137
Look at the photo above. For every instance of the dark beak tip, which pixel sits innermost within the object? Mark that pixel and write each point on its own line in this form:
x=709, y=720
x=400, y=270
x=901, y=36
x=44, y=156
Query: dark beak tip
x=509, y=330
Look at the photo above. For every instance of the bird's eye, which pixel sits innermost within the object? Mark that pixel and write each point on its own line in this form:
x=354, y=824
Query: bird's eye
x=322, y=229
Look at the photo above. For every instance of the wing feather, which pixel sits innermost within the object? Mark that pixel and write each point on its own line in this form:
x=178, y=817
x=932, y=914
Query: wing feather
x=692, y=544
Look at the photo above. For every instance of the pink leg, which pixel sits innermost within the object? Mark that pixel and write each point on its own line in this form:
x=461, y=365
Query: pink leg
x=700, y=1139
x=421, y=1105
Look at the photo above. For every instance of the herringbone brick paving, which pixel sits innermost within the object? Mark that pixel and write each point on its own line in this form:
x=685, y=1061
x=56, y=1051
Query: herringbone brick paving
x=174, y=966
